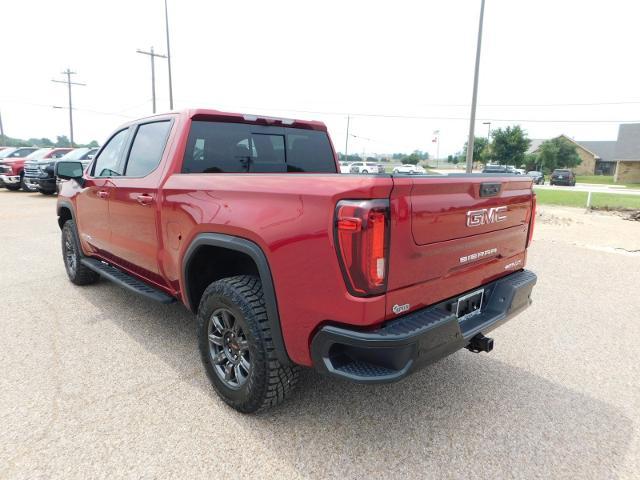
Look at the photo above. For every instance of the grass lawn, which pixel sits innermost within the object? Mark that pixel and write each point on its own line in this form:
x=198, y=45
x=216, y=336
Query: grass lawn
x=579, y=199
x=603, y=180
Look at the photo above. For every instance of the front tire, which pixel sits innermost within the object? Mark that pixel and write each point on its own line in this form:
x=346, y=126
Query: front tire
x=72, y=254
x=236, y=346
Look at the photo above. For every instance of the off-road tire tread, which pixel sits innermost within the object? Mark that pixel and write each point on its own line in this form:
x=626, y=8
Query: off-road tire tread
x=84, y=275
x=274, y=382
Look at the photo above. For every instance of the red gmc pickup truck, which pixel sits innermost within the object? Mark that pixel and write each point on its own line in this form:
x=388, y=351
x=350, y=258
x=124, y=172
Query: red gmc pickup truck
x=288, y=263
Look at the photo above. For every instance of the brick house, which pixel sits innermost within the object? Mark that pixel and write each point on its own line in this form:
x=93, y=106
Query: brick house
x=596, y=156
x=627, y=154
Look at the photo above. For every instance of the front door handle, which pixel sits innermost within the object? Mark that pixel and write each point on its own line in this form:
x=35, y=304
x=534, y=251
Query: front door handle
x=102, y=194
x=144, y=199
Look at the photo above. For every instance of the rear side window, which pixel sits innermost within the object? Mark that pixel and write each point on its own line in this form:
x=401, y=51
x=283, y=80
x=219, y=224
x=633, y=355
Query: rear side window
x=106, y=164
x=146, y=150
x=309, y=151
x=215, y=147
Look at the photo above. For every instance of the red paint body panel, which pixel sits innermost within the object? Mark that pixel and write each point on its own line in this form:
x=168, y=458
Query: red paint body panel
x=290, y=216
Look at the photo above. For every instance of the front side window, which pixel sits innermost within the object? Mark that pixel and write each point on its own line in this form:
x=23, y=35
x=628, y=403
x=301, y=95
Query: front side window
x=107, y=163
x=146, y=150
x=216, y=147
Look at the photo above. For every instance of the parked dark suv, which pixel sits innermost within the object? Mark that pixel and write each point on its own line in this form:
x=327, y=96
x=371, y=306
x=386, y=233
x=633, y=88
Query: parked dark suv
x=563, y=177
x=40, y=174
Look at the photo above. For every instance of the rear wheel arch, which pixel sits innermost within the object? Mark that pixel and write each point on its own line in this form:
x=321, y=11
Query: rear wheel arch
x=213, y=256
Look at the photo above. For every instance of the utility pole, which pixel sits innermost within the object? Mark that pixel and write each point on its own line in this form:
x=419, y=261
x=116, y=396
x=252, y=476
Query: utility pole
x=474, y=99
x=488, y=131
x=346, y=142
x=1, y=130
x=68, y=81
x=166, y=21
x=153, y=73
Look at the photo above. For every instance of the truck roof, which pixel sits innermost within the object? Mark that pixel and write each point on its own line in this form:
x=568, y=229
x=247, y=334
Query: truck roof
x=210, y=114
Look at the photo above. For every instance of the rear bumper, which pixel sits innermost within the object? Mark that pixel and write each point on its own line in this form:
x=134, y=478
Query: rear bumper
x=408, y=343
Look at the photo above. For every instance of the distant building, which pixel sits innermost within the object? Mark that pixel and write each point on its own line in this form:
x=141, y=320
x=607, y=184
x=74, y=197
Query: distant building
x=627, y=154
x=597, y=156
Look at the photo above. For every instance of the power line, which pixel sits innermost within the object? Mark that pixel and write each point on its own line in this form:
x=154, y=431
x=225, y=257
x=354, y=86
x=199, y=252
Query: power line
x=153, y=56
x=68, y=81
x=424, y=117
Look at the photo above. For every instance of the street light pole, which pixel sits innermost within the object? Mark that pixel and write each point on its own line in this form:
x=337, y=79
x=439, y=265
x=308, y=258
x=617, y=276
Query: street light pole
x=166, y=21
x=474, y=99
x=346, y=142
x=68, y=81
x=1, y=130
x=153, y=73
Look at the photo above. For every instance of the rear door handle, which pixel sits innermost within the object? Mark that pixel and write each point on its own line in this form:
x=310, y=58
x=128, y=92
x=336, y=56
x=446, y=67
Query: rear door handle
x=144, y=199
x=102, y=194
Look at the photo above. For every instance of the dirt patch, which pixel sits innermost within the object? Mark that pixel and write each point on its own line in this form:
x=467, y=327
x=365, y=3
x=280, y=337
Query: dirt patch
x=592, y=229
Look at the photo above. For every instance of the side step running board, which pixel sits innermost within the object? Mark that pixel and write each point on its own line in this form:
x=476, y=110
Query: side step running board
x=127, y=281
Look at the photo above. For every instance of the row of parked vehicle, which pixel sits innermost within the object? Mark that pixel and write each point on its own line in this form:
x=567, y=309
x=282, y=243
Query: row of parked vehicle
x=32, y=169
x=370, y=167
x=560, y=176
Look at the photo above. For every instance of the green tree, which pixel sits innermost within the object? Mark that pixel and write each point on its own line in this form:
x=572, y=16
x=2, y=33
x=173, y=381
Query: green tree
x=509, y=145
x=558, y=153
x=412, y=159
x=531, y=162
x=62, y=141
x=422, y=155
x=349, y=158
x=479, y=149
x=93, y=144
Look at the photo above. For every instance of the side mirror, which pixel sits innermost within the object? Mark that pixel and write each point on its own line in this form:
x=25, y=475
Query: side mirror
x=69, y=170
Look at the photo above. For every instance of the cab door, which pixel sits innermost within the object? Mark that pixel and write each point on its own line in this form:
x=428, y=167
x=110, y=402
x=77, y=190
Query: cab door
x=92, y=203
x=134, y=206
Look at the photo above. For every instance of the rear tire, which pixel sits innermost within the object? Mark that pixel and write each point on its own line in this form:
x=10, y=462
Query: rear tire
x=236, y=346
x=72, y=254
x=47, y=192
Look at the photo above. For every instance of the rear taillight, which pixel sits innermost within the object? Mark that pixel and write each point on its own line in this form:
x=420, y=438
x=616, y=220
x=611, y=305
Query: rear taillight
x=532, y=221
x=362, y=243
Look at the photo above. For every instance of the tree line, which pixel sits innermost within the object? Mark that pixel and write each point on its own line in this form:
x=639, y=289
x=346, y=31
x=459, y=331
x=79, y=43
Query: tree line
x=413, y=158
x=61, y=141
x=508, y=146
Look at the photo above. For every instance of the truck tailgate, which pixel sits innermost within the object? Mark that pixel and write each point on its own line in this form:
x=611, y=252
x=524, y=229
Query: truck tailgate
x=453, y=233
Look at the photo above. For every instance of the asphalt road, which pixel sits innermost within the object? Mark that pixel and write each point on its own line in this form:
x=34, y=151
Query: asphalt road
x=99, y=383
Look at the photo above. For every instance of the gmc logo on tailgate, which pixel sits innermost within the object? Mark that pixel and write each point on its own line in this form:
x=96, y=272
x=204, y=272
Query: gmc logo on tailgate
x=476, y=218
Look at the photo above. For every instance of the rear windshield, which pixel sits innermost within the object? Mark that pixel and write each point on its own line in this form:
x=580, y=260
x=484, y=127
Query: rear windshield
x=216, y=147
x=561, y=171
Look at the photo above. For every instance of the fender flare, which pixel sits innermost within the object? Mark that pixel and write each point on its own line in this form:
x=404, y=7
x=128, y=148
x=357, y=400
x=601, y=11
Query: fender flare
x=64, y=204
x=254, y=251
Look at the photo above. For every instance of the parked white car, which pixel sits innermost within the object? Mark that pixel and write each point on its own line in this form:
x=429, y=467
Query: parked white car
x=409, y=169
x=366, y=167
x=345, y=167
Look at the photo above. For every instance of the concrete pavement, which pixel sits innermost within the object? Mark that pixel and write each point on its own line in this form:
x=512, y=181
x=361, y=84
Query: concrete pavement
x=99, y=383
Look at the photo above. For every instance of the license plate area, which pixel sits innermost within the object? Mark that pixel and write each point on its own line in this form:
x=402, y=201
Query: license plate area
x=470, y=305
